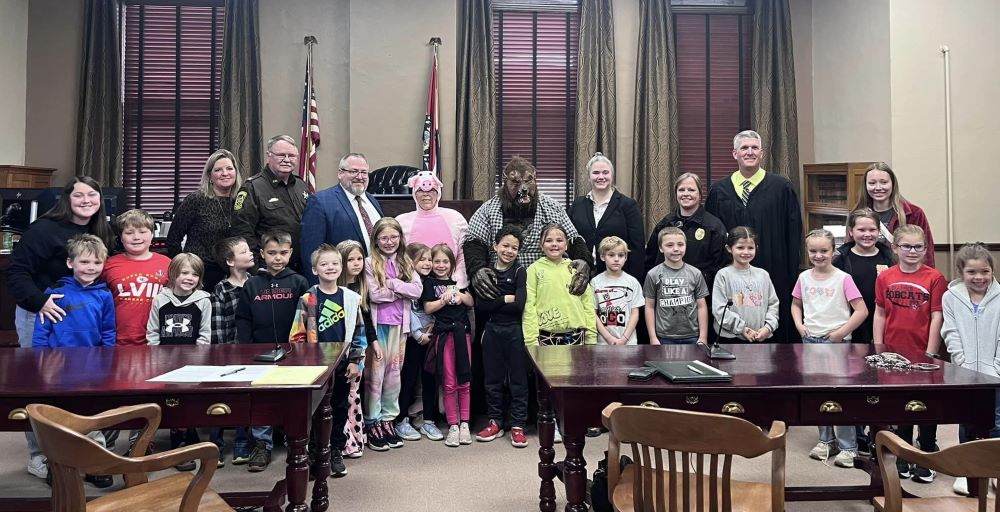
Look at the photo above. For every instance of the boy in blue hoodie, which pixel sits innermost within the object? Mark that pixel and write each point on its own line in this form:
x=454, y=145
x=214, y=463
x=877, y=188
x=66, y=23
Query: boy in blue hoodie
x=90, y=309
x=89, y=320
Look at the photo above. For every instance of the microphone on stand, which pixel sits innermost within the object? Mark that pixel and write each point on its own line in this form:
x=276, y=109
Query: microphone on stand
x=715, y=351
x=272, y=356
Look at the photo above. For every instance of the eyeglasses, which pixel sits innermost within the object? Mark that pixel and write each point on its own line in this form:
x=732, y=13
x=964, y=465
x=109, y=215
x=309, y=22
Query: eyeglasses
x=283, y=156
x=911, y=248
x=355, y=172
x=388, y=238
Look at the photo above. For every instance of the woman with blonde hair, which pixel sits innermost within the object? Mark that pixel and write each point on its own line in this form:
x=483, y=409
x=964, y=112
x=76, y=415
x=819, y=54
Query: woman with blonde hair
x=880, y=192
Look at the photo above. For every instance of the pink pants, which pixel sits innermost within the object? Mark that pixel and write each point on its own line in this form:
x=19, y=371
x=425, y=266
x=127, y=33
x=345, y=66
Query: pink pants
x=456, y=396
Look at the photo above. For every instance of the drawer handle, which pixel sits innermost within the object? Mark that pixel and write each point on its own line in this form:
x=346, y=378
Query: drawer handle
x=219, y=409
x=872, y=399
x=915, y=406
x=172, y=402
x=830, y=407
x=19, y=414
x=691, y=399
x=650, y=403
x=733, y=408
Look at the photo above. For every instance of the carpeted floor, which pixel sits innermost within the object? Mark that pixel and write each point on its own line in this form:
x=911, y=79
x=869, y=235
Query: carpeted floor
x=428, y=476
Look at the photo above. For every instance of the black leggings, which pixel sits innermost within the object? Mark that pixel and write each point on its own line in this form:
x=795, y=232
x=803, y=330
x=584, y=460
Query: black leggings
x=413, y=372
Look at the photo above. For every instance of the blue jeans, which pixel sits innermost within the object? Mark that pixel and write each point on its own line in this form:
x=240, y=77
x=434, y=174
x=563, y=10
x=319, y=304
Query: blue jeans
x=815, y=339
x=241, y=443
x=845, y=436
x=679, y=341
x=963, y=435
x=265, y=433
x=24, y=322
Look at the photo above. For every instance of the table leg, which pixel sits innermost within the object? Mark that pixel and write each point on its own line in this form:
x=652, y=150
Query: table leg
x=546, y=454
x=322, y=425
x=297, y=473
x=575, y=472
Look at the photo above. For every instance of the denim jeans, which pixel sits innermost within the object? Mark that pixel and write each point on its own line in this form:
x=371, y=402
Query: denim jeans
x=24, y=322
x=845, y=436
x=679, y=341
x=265, y=433
x=815, y=339
x=963, y=435
x=241, y=443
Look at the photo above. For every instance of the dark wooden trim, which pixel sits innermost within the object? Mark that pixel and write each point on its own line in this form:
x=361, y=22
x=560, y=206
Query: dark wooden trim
x=990, y=246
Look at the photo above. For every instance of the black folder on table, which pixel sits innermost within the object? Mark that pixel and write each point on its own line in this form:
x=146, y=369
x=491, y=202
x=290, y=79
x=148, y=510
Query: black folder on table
x=688, y=371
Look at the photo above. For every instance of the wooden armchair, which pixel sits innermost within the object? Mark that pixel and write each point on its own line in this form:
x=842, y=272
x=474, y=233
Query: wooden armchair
x=651, y=483
x=70, y=452
x=977, y=460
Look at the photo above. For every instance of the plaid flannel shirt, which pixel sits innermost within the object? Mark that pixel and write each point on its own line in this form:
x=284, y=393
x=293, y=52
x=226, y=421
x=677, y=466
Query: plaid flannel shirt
x=488, y=219
x=224, y=300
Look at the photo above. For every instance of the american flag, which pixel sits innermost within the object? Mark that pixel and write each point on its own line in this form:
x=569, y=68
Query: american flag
x=431, y=137
x=310, y=129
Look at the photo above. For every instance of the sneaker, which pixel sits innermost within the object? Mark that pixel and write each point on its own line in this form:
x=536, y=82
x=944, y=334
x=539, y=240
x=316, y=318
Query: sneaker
x=822, y=451
x=406, y=431
x=431, y=430
x=376, y=441
x=517, y=437
x=100, y=481
x=222, y=460
x=391, y=437
x=491, y=432
x=464, y=435
x=845, y=458
x=903, y=468
x=337, y=467
x=923, y=475
x=354, y=455
x=557, y=437
x=187, y=465
x=961, y=486
x=453, y=436
x=260, y=458
x=38, y=466
x=240, y=458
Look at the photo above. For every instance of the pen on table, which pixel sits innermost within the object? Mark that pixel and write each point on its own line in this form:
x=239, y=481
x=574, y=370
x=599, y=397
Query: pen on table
x=238, y=370
x=695, y=370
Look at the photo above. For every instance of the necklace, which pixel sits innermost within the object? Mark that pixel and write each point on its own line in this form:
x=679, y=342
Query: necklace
x=225, y=215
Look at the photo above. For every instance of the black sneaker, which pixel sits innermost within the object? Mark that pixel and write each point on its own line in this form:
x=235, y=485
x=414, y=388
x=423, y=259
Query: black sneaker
x=260, y=458
x=903, y=468
x=337, y=467
x=391, y=437
x=375, y=438
x=187, y=465
x=923, y=475
x=100, y=481
x=864, y=448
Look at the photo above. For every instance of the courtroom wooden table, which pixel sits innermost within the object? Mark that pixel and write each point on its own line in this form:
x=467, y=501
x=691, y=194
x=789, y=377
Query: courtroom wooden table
x=90, y=380
x=800, y=384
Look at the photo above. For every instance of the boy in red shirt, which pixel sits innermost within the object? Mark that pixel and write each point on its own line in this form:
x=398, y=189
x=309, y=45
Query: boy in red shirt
x=135, y=276
x=908, y=320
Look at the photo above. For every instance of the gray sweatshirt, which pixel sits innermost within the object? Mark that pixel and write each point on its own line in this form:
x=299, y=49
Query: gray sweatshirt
x=755, y=304
x=183, y=322
x=971, y=337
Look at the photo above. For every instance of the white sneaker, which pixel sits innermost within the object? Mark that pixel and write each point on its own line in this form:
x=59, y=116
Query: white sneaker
x=453, y=437
x=37, y=466
x=822, y=451
x=406, y=431
x=464, y=434
x=557, y=437
x=430, y=430
x=845, y=458
x=961, y=486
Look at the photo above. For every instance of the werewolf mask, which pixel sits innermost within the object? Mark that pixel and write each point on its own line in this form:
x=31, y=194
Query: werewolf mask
x=519, y=194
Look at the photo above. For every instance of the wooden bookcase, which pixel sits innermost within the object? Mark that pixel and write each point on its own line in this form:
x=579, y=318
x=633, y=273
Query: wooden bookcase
x=830, y=191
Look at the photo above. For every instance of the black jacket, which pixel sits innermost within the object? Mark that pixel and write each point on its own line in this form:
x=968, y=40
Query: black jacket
x=622, y=218
x=267, y=305
x=706, y=242
x=39, y=260
x=265, y=203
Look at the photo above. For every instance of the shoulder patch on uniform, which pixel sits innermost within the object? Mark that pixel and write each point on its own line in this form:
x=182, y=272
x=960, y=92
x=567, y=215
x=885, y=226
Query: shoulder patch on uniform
x=240, y=197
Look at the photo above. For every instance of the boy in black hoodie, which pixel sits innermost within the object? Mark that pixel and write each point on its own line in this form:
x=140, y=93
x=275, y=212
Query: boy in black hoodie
x=267, y=304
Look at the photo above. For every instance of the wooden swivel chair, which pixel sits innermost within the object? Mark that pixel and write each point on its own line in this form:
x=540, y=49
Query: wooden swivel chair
x=70, y=452
x=977, y=460
x=664, y=481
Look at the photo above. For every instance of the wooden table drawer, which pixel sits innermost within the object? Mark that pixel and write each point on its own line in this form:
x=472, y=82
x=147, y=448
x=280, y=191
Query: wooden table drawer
x=756, y=407
x=858, y=408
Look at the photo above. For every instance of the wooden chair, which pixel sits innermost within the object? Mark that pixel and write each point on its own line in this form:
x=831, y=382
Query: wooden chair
x=659, y=483
x=70, y=452
x=977, y=460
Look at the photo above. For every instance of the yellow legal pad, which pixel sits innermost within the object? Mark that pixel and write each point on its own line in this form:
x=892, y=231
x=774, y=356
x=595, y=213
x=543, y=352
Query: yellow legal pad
x=288, y=375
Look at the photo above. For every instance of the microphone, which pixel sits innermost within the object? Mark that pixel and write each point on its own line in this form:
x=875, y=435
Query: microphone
x=715, y=351
x=272, y=356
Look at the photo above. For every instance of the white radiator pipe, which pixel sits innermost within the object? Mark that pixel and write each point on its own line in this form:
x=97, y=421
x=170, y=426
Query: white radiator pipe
x=948, y=160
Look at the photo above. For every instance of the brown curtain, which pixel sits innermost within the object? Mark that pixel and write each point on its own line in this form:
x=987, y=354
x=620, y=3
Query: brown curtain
x=99, y=119
x=240, y=113
x=655, y=150
x=772, y=88
x=476, y=142
x=595, y=114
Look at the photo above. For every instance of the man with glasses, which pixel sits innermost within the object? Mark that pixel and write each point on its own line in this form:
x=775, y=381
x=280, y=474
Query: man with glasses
x=342, y=212
x=768, y=203
x=273, y=199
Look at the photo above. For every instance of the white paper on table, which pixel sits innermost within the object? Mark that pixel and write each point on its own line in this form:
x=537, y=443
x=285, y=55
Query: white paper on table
x=227, y=373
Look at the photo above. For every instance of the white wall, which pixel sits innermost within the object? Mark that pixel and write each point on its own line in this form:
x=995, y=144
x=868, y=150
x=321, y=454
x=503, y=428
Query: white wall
x=13, y=86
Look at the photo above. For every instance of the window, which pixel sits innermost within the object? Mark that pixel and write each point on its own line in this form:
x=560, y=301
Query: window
x=535, y=63
x=173, y=62
x=713, y=88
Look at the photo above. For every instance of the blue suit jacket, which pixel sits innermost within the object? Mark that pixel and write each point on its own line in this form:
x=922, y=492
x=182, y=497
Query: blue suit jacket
x=329, y=218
